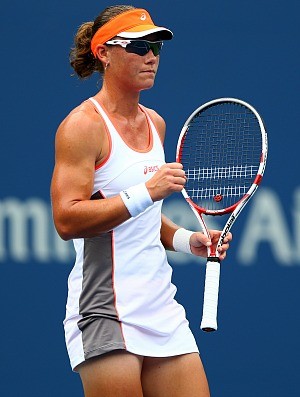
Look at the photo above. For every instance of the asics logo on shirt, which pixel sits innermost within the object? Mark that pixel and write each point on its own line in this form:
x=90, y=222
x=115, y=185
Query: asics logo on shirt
x=151, y=168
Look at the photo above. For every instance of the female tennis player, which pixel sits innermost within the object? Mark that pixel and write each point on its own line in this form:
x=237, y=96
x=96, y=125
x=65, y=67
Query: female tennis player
x=125, y=333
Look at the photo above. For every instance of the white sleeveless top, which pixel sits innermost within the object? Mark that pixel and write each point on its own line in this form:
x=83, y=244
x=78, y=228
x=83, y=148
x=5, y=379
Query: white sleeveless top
x=130, y=262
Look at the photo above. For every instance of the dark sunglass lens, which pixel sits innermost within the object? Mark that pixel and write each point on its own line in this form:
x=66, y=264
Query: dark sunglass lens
x=142, y=47
x=156, y=47
x=138, y=47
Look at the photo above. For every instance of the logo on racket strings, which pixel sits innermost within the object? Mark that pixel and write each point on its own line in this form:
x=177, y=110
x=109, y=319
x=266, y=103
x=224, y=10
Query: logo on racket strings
x=218, y=198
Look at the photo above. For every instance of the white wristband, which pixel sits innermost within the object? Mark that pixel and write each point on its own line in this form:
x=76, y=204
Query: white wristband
x=181, y=240
x=136, y=198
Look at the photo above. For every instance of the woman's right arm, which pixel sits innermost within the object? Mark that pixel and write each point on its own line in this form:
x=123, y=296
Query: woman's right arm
x=81, y=142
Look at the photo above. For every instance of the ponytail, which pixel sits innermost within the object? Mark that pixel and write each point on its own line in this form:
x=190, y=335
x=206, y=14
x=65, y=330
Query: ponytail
x=81, y=58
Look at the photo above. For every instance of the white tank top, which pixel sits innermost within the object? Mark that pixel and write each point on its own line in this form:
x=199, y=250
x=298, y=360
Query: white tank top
x=124, y=274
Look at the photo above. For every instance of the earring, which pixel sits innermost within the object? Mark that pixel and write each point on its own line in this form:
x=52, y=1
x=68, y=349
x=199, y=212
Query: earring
x=106, y=65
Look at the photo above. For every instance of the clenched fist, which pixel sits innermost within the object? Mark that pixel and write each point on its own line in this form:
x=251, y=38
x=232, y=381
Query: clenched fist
x=168, y=179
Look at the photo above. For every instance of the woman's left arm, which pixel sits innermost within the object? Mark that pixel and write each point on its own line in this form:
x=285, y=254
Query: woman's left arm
x=196, y=241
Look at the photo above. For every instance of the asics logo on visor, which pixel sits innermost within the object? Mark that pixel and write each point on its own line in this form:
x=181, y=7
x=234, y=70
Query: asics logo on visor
x=143, y=16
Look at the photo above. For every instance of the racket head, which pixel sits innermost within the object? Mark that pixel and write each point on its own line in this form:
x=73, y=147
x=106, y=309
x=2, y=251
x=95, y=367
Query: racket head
x=223, y=149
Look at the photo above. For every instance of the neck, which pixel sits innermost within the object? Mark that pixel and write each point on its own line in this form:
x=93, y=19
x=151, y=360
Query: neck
x=119, y=101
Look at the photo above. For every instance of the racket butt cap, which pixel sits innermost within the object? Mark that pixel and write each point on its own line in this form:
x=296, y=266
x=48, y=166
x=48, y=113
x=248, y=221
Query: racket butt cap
x=208, y=326
x=208, y=329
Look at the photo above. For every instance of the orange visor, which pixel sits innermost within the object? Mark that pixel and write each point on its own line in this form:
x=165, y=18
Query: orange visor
x=131, y=24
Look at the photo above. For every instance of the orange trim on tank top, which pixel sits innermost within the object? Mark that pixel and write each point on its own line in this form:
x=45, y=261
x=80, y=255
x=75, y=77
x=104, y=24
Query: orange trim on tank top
x=105, y=160
x=150, y=117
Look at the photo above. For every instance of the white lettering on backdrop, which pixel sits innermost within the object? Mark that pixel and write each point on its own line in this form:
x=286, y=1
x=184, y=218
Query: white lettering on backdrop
x=27, y=232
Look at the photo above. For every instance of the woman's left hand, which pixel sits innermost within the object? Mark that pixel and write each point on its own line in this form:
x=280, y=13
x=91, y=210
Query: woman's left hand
x=199, y=243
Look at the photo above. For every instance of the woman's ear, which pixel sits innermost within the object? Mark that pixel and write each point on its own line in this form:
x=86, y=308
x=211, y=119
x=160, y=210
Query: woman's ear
x=101, y=53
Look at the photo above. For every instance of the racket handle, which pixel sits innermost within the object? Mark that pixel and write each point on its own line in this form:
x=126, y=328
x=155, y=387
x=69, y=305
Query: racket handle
x=211, y=291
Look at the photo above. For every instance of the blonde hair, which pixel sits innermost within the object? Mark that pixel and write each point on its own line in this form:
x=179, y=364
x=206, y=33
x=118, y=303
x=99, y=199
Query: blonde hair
x=81, y=58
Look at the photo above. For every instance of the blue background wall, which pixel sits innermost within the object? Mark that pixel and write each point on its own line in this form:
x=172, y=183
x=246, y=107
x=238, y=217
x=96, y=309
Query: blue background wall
x=248, y=50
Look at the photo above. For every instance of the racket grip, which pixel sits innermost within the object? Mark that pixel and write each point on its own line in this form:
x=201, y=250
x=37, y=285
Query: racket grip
x=211, y=291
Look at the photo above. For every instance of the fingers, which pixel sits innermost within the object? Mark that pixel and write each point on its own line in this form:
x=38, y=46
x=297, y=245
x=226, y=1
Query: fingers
x=176, y=171
x=222, y=250
x=199, y=239
x=225, y=246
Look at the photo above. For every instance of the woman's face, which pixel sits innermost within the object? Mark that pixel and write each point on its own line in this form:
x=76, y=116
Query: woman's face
x=132, y=71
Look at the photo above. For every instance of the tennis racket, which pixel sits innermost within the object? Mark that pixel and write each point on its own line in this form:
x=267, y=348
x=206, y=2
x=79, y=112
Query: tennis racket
x=223, y=149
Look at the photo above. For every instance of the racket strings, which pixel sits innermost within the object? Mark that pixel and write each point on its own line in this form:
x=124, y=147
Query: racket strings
x=200, y=175
x=221, y=154
x=209, y=193
x=239, y=171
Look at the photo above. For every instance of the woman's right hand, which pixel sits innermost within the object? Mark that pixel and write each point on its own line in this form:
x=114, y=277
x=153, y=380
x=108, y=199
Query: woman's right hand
x=168, y=179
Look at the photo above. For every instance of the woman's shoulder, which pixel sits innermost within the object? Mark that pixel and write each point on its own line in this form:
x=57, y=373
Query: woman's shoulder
x=83, y=119
x=83, y=113
x=82, y=132
x=153, y=113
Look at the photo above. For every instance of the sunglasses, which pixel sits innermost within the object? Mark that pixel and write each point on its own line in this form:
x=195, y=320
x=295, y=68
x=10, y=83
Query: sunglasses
x=139, y=47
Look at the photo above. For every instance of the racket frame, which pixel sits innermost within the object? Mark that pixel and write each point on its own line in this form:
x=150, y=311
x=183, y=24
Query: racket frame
x=209, y=316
